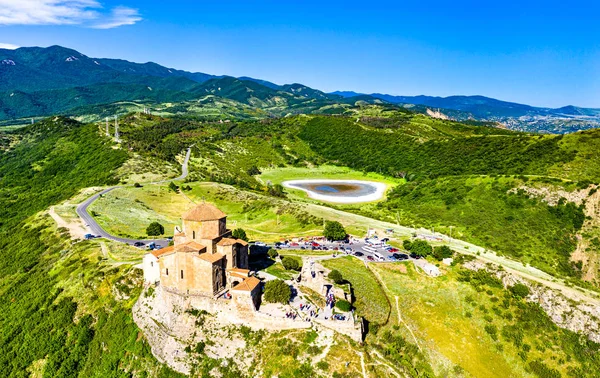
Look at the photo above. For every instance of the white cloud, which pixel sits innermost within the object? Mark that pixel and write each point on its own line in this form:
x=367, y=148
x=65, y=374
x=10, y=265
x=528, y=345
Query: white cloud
x=88, y=13
x=119, y=16
x=8, y=46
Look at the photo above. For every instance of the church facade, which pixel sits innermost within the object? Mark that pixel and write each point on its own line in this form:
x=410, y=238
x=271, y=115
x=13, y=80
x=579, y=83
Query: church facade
x=204, y=259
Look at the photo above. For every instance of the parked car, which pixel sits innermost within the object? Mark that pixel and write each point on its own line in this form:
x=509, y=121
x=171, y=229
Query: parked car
x=358, y=254
x=138, y=244
x=370, y=258
x=415, y=256
x=260, y=244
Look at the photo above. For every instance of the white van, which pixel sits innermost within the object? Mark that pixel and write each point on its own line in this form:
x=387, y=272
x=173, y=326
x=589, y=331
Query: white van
x=369, y=249
x=379, y=256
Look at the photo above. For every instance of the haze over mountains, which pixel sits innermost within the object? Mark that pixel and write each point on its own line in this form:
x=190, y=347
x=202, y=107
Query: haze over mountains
x=38, y=81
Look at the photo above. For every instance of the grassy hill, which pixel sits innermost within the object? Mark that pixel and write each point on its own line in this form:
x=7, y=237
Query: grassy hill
x=58, y=313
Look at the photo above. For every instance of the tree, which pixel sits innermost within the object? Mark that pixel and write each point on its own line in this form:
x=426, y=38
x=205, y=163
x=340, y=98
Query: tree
x=155, y=229
x=272, y=253
x=253, y=171
x=421, y=248
x=336, y=276
x=290, y=263
x=519, y=290
x=334, y=231
x=137, y=185
x=239, y=233
x=277, y=291
x=442, y=252
x=343, y=305
x=407, y=244
x=173, y=187
x=276, y=190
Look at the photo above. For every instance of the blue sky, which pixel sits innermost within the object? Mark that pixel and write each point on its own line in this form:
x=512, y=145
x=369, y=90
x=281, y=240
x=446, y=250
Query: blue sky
x=539, y=53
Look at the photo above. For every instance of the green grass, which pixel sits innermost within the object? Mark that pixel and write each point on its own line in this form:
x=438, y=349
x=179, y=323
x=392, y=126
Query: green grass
x=450, y=315
x=371, y=301
x=435, y=310
x=279, y=175
x=279, y=271
x=129, y=210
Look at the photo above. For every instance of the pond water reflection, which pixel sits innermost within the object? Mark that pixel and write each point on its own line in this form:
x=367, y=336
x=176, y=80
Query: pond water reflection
x=343, y=191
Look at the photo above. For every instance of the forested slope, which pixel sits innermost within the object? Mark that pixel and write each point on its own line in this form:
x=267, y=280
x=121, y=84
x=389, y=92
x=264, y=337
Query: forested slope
x=41, y=329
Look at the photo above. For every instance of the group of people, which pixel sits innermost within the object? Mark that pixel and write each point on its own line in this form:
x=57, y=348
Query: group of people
x=330, y=300
x=313, y=313
x=291, y=315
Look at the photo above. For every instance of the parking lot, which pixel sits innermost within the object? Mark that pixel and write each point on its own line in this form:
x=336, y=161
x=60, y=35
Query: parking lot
x=360, y=248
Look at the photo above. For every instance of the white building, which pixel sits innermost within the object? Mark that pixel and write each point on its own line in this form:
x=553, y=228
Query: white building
x=428, y=267
x=151, y=268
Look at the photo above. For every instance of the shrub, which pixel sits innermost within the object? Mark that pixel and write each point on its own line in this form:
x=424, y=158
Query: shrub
x=290, y=263
x=239, y=233
x=336, y=276
x=272, y=253
x=407, y=244
x=334, y=231
x=323, y=365
x=155, y=229
x=519, y=290
x=173, y=187
x=277, y=291
x=492, y=331
x=343, y=305
x=253, y=171
x=276, y=190
x=442, y=252
x=137, y=185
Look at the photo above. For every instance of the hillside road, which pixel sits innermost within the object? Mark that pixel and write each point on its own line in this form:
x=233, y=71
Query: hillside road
x=96, y=229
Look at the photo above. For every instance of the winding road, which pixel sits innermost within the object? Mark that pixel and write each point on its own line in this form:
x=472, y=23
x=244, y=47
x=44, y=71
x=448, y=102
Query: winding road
x=96, y=229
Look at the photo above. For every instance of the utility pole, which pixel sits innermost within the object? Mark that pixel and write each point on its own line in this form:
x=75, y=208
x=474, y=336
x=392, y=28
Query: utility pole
x=107, y=132
x=117, y=130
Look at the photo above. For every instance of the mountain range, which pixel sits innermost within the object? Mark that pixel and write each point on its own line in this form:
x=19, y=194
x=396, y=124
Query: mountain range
x=37, y=81
x=479, y=107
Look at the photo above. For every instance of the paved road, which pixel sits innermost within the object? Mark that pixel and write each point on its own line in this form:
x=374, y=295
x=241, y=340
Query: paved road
x=95, y=228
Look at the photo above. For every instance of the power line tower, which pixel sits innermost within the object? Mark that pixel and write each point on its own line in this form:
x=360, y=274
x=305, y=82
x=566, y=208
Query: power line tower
x=117, y=130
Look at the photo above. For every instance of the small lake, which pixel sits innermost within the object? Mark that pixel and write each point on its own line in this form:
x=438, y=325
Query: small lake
x=341, y=191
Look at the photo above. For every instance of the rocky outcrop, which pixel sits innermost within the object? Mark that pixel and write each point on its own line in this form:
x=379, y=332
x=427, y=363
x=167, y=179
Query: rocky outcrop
x=565, y=313
x=174, y=324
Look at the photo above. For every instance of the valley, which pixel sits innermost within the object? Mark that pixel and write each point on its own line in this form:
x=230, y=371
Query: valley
x=466, y=322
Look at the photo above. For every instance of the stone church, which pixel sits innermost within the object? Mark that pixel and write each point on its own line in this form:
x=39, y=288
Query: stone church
x=204, y=260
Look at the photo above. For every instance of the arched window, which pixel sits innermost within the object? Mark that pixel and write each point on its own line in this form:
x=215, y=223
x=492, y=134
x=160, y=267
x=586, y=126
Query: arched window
x=193, y=234
x=182, y=274
x=167, y=271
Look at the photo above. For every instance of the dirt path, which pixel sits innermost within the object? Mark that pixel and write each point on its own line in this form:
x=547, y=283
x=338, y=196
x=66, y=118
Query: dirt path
x=362, y=364
x=401, y=321
x=76, y=229
x=382, y=362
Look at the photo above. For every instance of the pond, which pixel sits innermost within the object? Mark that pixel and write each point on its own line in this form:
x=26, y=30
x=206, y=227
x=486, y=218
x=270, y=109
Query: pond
x=341, y=191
